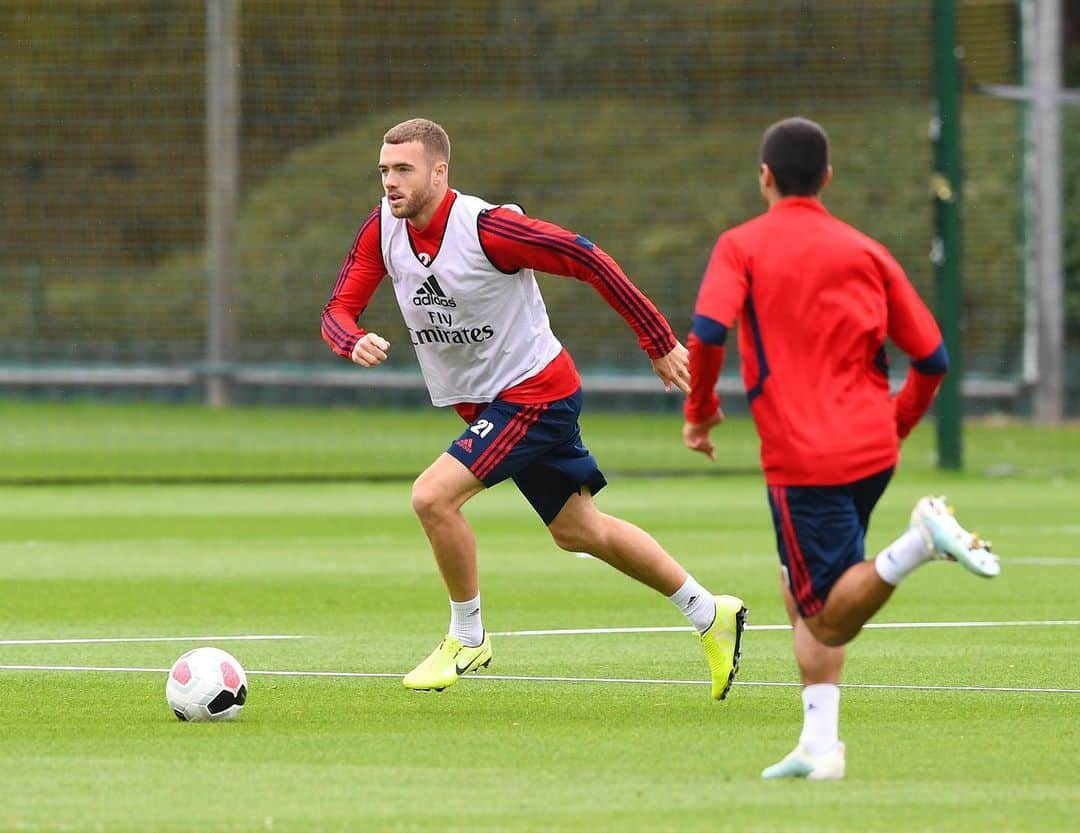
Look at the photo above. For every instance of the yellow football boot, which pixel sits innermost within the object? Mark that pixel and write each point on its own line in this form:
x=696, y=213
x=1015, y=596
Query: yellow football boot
x=722, y=643
x=448, y=662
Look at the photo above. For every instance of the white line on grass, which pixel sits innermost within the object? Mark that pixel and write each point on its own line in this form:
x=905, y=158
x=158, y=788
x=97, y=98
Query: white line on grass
x=244, y=638
x=538, y=679
x=880, y=625
x=552, y=632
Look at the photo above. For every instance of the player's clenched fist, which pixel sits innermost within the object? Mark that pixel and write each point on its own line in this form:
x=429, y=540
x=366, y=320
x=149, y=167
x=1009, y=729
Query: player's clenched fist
x=370, y=350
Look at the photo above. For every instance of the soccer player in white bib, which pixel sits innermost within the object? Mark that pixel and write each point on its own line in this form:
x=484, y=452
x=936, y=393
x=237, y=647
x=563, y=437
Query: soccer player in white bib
x=462, y=272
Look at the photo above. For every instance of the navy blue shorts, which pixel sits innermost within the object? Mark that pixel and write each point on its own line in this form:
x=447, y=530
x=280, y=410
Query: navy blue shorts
x=539, y=446
x=821, y=532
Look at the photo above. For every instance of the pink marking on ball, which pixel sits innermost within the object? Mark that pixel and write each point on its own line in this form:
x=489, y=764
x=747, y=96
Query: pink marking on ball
x=230, y=676
x=182, y=673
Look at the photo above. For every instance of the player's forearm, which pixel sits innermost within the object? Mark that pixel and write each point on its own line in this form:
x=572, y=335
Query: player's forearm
x=706, y=362
x=914, y=400
x=359, y=277
x=339, y=329
x=920, y=387
x=653, y=332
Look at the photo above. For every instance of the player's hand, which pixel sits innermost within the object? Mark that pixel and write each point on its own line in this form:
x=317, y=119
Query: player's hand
x=674, y=368
x=370, y=350
x=696, y=435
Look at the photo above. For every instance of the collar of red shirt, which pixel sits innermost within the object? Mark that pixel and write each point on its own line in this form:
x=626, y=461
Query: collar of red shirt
x=800, y=202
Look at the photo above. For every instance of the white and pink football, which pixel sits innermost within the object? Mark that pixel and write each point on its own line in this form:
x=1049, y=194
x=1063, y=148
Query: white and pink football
x=206, y=684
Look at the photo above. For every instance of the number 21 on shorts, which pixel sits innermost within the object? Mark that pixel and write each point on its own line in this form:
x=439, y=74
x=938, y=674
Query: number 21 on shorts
x=481, y=427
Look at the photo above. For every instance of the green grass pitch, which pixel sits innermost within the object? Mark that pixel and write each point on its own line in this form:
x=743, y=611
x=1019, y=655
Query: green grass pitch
x=934, y=743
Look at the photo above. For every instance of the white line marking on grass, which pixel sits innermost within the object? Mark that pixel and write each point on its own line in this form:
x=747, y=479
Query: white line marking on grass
x=539, y=679
x=774, y=683
x=244, y=638
x=112, y=668
x=879, y=625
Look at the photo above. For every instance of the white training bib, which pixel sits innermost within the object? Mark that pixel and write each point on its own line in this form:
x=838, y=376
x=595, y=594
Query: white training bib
x=476, y=331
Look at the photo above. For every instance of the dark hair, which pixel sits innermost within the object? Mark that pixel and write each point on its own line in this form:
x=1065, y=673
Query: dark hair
x=797, y=152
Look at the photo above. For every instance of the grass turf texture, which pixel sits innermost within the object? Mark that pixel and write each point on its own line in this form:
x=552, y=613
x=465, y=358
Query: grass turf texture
x=346, y=565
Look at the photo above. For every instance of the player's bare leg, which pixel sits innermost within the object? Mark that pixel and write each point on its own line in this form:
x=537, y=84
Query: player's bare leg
x=934, y=534
x=719, y=620
x=858, y=595
x=819, y=754
x=818, y=662
x=581, y=527
x=437, y=497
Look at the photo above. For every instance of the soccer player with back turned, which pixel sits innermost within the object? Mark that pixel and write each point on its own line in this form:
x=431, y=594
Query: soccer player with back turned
x=462, y=271
x=815, y=300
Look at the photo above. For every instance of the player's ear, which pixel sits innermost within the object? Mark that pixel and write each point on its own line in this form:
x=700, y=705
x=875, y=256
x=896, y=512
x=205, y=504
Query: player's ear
x=825, y=180
x=766, y=182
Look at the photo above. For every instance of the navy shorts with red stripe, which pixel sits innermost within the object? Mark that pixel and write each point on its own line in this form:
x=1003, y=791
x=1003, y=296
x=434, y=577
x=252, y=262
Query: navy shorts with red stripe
x=539, y=446
x=821, y=532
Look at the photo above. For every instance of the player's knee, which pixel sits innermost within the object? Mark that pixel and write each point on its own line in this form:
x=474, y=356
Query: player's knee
x=835, y=638
x=568, y=538
x=829, y=633
x=583, y=532
x=427, y=500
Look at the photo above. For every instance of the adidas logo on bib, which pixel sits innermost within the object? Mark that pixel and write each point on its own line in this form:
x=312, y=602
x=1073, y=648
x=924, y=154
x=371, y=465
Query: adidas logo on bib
x=431, y=294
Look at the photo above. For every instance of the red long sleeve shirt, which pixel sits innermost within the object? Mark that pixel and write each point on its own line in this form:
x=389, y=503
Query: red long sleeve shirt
x=815, y=300
x=512, y=242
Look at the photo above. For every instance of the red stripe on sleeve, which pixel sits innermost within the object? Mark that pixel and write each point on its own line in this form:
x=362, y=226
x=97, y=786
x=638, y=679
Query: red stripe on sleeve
x=357, y=281
x=514, y=242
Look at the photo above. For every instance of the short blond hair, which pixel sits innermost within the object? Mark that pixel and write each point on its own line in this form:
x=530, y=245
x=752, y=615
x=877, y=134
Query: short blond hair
x=431, y=135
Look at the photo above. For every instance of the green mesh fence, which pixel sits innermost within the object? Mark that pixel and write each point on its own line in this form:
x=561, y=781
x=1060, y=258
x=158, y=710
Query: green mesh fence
x=635, y=123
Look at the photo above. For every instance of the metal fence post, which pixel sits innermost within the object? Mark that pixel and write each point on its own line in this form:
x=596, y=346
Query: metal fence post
x=1049, y=392
x=222, y=117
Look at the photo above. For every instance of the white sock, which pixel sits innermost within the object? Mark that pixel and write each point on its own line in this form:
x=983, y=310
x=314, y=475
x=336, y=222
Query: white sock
x=696, y=603
x=902, y=556
x=821, y=718
x=465, y=622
